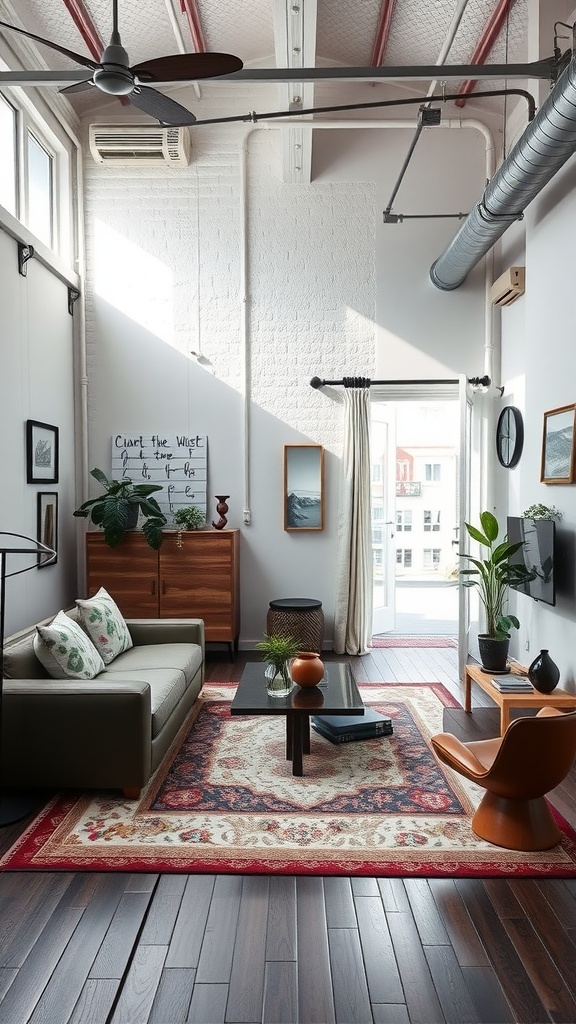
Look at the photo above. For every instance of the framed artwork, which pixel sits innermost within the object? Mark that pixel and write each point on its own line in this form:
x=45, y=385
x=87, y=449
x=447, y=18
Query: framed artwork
x=303, y=487
x=47, y=526
x=41, y=453
x=558, y=446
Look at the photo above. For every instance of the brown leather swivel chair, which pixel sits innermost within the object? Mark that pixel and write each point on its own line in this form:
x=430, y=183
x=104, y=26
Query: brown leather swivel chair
x=516, y=770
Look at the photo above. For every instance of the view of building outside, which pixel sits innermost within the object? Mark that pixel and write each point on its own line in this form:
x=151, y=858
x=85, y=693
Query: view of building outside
x=426, y=500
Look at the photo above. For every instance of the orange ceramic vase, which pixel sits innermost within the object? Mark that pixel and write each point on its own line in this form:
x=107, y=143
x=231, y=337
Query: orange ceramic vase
x=307, y=669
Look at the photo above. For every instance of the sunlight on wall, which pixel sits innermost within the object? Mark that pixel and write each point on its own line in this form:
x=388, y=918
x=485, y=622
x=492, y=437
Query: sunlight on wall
x=397, y=358
x=134, y=282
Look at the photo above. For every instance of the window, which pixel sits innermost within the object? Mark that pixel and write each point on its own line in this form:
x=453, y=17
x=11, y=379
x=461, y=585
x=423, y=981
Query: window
x=432, y=472
x=40, y=202
x=404, y=521
x=377, y=512
x=376, y=473
x=8, y=161
x=431, y=521
x=431, y=558
x=404, y=557
x=377, y=536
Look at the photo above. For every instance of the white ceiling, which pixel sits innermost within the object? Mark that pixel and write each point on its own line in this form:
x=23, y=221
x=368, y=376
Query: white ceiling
x=254, y=30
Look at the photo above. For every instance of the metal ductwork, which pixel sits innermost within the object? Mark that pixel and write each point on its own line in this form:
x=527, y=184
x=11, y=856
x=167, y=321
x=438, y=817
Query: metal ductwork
x=545, y=146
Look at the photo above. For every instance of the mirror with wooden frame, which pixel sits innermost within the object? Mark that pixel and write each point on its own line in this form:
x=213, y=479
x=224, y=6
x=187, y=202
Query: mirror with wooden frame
x=303, y=487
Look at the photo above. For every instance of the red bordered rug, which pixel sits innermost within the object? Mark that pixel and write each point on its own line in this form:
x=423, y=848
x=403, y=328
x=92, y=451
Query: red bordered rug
x=413, y=641
x=225, y=801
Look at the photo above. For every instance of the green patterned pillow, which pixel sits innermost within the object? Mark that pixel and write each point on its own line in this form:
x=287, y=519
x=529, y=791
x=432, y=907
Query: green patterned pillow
x=65, y=650
x=105, y=625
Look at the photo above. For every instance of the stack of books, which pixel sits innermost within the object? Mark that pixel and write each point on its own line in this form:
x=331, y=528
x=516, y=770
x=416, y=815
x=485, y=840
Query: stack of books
x=346, y=728
x=513, y=684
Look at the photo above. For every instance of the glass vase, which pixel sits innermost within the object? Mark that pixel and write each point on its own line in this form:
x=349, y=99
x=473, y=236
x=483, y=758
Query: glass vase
x=278, y=680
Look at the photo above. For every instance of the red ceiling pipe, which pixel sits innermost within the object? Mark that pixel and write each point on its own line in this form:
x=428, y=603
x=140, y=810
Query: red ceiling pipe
x=485, y=43
x=83, y=21
x=190, y=9
x=382, y=33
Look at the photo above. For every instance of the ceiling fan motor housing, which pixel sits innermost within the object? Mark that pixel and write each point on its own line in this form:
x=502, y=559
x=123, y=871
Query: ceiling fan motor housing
x=114, y=75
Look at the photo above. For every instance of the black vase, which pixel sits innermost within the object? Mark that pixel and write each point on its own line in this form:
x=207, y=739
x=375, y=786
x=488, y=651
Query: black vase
x=544, y=673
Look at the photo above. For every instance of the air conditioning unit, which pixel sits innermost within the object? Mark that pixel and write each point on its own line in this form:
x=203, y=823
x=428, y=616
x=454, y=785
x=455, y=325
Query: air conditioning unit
x=508, y=287
x=139, y=143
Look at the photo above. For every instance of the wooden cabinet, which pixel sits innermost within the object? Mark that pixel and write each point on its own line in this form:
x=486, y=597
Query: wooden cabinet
x=200, y=579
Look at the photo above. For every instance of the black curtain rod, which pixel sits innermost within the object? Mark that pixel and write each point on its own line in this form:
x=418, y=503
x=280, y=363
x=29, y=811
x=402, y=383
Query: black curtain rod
x=365, y=382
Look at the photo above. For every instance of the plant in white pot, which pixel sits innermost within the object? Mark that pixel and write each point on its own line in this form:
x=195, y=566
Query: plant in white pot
x=492, y=577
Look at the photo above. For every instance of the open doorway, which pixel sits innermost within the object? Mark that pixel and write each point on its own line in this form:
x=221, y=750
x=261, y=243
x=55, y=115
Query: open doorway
x=415, y=515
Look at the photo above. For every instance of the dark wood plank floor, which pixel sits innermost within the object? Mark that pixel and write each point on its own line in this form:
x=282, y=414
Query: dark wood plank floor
x=112, y=948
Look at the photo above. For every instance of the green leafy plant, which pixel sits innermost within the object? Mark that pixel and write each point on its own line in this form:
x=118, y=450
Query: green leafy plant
x=540, y=511
x=277, y=648
x=493, y=575
x=116, y=511
x=189, y=518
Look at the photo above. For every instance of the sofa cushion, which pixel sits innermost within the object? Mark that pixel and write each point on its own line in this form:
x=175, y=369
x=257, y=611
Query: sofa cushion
x=167, y=687
x=66, y=651
x=186, y=658
x=103, y=621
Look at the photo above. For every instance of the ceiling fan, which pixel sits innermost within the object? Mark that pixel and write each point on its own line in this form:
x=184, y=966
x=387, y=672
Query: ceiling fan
x=114, y=75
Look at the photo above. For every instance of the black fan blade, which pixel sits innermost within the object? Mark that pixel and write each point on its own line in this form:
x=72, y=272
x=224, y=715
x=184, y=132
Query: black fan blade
x=161, y=107
x=78, y=87
x=187, y=66
x=86, y=62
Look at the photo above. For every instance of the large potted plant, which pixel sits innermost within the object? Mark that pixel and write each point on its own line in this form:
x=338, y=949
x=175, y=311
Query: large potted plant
x=117, y=510
x=493, y=576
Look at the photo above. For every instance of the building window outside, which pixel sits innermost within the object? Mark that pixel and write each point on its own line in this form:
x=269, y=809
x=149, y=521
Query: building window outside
x=376, y=536
x=404, y=557
x=431, y=521
x=40, y=192
x=432, y=472
x=376, y=473
x=8, y=161
x=431, y=558
x=404, y=521
x=377, y=512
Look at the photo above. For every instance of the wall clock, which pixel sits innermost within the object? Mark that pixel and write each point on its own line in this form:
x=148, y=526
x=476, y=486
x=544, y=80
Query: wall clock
x=509, y=436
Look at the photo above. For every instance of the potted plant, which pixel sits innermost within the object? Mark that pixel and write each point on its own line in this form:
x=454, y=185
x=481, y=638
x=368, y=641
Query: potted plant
x=117, y=510
x=188, y=517
x=278, y=649
x=492, y=577
x=540, y=511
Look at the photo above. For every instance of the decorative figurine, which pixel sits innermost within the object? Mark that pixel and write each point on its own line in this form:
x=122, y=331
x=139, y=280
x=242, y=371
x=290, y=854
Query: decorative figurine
x=221, y=509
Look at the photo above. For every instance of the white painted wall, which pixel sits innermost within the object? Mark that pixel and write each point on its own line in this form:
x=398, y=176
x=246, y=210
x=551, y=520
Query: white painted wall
x=330, y=292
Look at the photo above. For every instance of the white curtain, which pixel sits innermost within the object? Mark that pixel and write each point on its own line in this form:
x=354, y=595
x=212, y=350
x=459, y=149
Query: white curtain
x=353, y=614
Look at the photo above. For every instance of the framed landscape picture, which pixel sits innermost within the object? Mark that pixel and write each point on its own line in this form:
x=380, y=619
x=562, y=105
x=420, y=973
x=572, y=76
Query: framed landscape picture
x=47, y=526
x=303, y=487
x=41, y=453
x=558, y=446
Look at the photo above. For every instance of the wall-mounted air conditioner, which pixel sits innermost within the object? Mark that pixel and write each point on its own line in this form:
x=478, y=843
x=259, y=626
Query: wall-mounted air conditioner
x=139, y=143
x=508, y=287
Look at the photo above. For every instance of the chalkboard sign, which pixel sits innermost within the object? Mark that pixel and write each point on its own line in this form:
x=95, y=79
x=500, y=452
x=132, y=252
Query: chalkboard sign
x=178, y=462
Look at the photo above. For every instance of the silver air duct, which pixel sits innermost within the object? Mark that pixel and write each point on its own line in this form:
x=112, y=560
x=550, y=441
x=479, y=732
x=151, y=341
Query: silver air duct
x=545, y=146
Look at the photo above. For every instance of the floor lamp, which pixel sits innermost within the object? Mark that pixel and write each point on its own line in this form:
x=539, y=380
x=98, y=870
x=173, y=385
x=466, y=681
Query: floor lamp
x=14, y=808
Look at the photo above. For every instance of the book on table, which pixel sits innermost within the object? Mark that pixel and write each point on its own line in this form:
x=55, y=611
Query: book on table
x=517, y=685
x=345, y=728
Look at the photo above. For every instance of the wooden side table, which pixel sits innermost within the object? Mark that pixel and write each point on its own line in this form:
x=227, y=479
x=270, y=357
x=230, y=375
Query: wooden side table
x=557, y=699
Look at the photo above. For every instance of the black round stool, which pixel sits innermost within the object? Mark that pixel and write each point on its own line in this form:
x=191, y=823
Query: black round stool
x=299, y=617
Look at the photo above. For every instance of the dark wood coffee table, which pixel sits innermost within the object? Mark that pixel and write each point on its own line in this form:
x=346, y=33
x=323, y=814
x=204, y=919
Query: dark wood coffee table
x=337, y=694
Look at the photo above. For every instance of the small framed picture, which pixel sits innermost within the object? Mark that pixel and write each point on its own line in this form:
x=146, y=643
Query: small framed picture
x=47, y=526
x=303, y=487
x=41, y=453
x=558, y=446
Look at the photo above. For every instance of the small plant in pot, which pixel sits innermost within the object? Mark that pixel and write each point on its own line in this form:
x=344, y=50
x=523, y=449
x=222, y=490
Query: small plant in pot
x=492, y=577
x=188, y=517
x=278, y=649
x=117, y=510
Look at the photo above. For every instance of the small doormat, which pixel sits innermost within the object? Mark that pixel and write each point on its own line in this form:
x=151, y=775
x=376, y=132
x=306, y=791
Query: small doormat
x=225, y=801
x=413, y=641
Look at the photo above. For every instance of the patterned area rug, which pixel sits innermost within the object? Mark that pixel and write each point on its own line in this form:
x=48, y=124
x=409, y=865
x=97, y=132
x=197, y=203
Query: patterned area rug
x=413, y=641
x=225, y=801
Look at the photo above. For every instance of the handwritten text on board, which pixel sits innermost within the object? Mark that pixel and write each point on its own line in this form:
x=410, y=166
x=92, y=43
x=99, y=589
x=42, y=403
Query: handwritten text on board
x=177, y=462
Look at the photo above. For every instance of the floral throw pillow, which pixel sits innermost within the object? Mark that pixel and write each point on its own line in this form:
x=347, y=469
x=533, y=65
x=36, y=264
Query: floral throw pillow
x=65, y=650
x=105, y=625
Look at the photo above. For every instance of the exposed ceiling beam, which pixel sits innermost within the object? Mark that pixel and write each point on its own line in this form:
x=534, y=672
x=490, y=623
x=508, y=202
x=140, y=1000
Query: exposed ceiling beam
x=544, y=69
x=190, y=9
x=83, y=20
x=485, y=43
x=382, y=33
x=295, y=47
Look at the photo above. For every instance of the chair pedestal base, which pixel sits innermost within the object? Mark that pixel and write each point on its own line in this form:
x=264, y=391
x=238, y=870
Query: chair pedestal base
x=525, y=825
